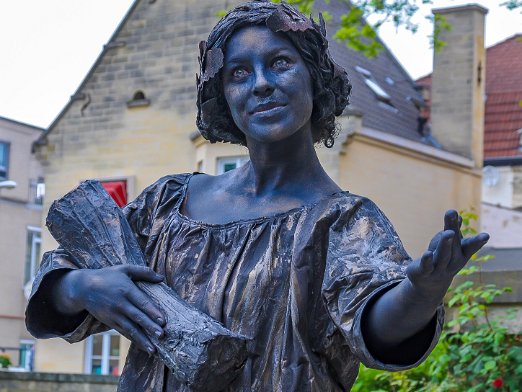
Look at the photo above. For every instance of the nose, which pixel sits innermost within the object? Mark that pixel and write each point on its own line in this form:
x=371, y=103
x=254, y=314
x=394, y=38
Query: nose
x=263, y=86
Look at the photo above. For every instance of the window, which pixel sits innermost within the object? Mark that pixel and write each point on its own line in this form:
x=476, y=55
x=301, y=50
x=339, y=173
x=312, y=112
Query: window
x=37, y=191
x=32, y=253
x=372, y=84
x=4, y=160
x=378, y=90
x=138, y=100
x=26, y=355
x=230, y=163
x=117, y=190
x=102, y=354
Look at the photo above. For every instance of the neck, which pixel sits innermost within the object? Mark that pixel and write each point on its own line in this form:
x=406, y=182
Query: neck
x=285, y=166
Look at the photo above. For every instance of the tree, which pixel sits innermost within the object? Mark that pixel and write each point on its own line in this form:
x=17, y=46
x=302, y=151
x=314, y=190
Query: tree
x=361, y=36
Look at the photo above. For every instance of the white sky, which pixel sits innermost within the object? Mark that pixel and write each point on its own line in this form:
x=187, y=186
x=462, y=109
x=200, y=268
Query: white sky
x=47, y=47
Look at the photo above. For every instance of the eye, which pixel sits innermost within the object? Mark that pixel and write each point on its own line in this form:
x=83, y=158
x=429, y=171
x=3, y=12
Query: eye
x=281, y=63
x=239, y=73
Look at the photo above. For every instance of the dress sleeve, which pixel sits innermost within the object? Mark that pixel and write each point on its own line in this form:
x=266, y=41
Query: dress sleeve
x=42, y=320
x=365, y=258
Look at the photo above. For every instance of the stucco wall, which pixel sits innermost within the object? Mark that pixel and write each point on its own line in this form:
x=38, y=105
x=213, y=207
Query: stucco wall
x=412, y=189
x=17, y=213
x=504, y=224
x=58, y=356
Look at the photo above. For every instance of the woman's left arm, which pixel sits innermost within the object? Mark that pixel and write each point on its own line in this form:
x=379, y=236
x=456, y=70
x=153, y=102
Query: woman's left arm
x=396, y=324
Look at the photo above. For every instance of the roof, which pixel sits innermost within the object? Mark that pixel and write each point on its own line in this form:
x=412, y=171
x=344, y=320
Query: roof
x=19, y=123
x=399, y=119
x=90, y=73
x=504, y=92
x=503, y=111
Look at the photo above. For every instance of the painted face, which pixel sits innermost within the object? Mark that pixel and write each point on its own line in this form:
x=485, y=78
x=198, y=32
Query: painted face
x=267, y=85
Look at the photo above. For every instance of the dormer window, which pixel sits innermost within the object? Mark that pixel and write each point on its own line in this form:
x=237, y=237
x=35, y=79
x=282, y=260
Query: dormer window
x=363, y=71
x=372, y=84
x=381, y=94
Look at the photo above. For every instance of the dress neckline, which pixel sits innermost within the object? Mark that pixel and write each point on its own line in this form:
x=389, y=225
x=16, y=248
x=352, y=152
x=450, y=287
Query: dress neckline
x=238, y=222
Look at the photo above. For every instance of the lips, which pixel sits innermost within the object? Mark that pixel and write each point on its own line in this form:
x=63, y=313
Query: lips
x=266, y=107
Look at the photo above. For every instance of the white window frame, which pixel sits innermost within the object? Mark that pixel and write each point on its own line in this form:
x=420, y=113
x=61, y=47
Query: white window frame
x=372, y=84
x=29, y=355
x=36, y=190
x=105, y=356
x=35, y=256
x=5, y=166
x=239, y=160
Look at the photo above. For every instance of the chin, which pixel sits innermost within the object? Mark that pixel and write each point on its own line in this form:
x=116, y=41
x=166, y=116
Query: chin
x=271, y=136
x=272, y=133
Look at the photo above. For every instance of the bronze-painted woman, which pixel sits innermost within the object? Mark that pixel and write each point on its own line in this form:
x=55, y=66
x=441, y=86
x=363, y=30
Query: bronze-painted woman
x=275, y=250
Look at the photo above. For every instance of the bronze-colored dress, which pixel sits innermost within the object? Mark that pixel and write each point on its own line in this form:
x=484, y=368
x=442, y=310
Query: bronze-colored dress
x=297, y=283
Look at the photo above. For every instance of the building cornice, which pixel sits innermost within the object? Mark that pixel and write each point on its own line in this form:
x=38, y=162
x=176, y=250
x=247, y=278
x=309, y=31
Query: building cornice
x=417, y=147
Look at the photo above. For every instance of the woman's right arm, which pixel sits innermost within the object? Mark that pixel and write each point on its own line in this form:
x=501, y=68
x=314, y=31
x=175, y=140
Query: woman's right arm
x=64, y=299
x=111, y=297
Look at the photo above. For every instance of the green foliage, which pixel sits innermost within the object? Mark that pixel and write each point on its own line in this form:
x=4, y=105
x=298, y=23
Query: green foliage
x=512, y=4
x=440, y=24
x=5, y=361
x=475, y=353
x=360, y=36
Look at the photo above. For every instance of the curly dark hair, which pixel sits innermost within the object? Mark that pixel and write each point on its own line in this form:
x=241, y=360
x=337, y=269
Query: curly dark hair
x=330, y=82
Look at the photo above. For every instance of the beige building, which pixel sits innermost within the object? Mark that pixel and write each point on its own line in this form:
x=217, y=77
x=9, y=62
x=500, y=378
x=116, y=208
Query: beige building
x=501, y=210
x=132, y=120
x=21, y=191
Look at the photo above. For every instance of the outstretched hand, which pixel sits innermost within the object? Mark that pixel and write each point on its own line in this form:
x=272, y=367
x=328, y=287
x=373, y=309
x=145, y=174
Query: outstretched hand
x=448, y=252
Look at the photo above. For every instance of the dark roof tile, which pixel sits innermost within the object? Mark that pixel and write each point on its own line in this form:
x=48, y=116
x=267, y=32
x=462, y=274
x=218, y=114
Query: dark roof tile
x=401, y=121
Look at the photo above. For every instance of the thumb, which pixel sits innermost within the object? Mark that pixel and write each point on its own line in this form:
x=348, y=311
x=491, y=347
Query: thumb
x=421, y=268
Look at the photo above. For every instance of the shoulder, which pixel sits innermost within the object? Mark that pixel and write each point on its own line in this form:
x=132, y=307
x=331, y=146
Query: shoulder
x=171, y=182
x=346, y=205
x=166, y=188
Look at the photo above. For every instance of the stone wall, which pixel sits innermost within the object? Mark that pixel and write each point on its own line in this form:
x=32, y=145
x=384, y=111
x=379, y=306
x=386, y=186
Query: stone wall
x=53, y=382
x=458, y=82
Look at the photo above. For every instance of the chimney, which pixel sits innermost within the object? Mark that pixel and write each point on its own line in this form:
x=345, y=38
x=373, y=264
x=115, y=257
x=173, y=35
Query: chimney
x=458, y=84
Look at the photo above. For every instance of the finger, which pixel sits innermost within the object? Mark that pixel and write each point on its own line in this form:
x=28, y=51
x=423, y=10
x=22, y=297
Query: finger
x=147, y=306
x=435, y=241
x=144, y=322
x=426, y=263
x=421, y=268
x=451, y=221
x=128, y=329
x=472, y=245
x=443, y=252
x=138, y=272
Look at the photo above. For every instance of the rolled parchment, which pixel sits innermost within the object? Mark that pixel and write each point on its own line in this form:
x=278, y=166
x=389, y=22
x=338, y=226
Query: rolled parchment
x=200, y=351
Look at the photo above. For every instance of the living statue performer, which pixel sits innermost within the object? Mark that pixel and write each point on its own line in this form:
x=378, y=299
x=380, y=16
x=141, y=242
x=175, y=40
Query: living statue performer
x=314, y=276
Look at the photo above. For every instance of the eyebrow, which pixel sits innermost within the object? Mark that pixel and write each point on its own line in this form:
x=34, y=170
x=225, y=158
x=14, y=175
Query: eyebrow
x=271, y=53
